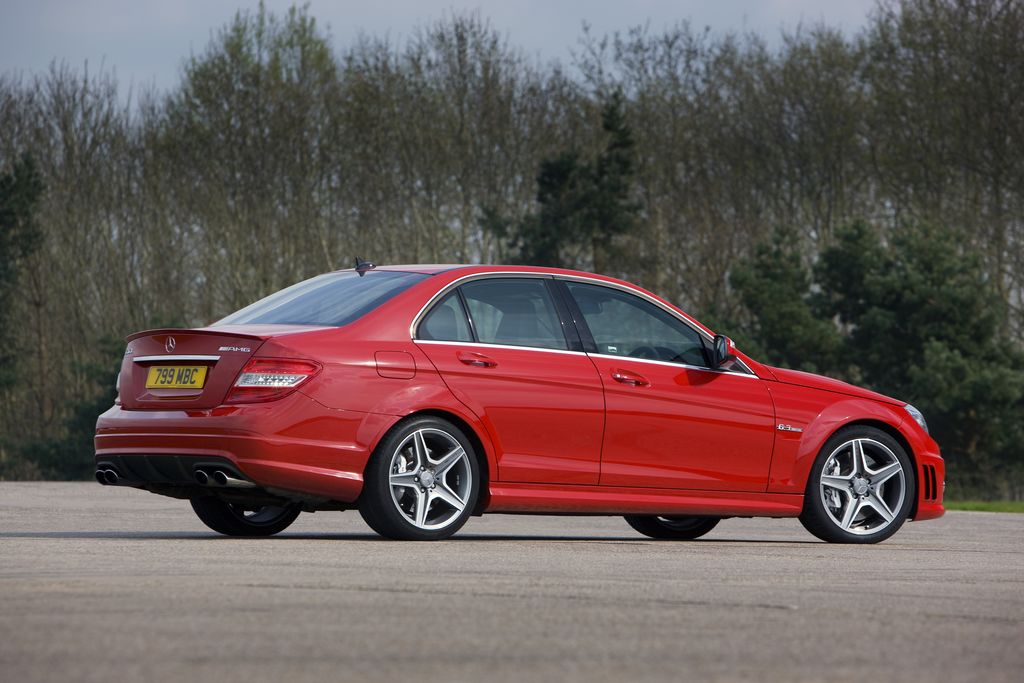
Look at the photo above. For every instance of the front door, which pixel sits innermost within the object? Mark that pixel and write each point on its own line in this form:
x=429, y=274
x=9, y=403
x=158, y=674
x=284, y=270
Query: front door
x=509, y=361
x=671, y=421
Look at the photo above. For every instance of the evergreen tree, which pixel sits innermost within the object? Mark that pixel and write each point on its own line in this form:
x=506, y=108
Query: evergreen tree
x=924, y=324
x=610, y=210
x=775, y=287
x=582, y=204
x=562, y=194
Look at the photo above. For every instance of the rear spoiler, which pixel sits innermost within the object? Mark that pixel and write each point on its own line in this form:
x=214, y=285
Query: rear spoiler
x=258, y=332
x=185, y=330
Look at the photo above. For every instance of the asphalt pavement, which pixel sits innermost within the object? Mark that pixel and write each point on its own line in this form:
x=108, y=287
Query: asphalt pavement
x=113, y=584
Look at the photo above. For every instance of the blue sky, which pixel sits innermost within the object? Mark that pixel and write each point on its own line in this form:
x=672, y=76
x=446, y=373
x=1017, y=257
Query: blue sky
x=145, y=41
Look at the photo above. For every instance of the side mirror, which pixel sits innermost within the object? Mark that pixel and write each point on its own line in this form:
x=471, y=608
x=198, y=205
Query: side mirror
x=722, y=352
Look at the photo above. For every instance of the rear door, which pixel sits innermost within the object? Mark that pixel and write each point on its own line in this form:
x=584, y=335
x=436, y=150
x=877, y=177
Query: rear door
x=512, y=362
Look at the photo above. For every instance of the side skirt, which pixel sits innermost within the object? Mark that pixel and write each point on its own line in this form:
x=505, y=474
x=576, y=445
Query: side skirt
x=615, y=500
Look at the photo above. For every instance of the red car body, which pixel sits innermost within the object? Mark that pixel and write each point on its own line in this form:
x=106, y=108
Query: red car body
x=558, y=431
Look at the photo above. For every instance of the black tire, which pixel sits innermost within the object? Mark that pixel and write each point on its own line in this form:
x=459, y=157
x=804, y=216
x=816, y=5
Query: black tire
x=672, y=528
x=231, y=520
x=385, y=511
x=820, y=515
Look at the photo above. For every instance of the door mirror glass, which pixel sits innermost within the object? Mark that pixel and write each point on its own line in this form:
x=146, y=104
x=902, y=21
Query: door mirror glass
x=722, y=352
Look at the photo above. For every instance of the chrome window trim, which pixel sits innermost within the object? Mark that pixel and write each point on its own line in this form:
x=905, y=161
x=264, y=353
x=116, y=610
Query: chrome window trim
x=671, y=364
x=458, y=281
x=149, y=359
x=485, y=345
x=638, y=293
x=662, y=306
x=577, y=278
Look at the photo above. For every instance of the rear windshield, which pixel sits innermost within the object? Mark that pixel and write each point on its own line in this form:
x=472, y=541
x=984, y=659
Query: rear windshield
x=333, y=299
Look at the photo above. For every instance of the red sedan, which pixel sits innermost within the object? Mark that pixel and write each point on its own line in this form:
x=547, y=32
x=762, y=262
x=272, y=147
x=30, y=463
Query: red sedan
x=421, y=395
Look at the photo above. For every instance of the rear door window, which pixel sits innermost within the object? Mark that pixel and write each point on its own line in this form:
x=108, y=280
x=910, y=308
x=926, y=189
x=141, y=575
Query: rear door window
x=446, y=321
x=514, y=311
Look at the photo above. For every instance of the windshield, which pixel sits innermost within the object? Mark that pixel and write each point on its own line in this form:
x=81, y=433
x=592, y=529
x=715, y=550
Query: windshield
x=332, y=299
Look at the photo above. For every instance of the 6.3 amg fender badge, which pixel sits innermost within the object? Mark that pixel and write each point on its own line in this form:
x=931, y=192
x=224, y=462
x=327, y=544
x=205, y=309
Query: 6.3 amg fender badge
x=788, y=428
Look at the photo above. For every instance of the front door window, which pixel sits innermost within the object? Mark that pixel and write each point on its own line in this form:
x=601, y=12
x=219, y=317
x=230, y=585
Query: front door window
x=623, y=324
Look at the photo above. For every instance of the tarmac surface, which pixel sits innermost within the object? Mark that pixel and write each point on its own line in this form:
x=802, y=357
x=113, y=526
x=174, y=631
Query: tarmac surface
x=113, y=584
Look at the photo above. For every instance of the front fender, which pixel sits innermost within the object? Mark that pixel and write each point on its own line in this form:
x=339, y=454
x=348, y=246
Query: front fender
x=819, y=414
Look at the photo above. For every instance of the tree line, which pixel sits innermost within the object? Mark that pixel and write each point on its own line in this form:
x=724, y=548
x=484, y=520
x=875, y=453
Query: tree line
x=852, y=205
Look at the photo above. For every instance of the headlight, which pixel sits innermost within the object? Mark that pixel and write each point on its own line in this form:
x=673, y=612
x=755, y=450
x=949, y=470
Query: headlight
x=918, y=417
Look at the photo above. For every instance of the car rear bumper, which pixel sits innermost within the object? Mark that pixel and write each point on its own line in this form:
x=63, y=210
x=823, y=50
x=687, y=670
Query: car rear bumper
x=295, y=444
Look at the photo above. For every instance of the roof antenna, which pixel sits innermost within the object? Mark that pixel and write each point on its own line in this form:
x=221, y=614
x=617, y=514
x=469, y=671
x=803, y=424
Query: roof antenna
x=363, y=266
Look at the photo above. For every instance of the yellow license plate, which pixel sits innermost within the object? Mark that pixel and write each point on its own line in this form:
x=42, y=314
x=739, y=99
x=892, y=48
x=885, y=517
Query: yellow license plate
x=176, y=377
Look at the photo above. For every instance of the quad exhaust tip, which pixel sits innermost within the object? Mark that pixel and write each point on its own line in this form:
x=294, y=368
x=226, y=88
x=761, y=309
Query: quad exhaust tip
x=221, y=478
x=109, y=477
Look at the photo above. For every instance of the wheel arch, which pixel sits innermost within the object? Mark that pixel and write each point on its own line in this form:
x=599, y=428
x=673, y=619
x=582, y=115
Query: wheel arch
x=795, y=453
x=484, y=453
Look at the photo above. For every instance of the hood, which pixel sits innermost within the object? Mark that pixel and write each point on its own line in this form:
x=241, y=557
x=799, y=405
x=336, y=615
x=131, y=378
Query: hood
x=812, y=381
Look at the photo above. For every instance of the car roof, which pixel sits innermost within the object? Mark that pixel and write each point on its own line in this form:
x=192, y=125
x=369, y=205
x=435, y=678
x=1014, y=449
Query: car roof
x=471, y=268
x=462, y=270
x=425, y=268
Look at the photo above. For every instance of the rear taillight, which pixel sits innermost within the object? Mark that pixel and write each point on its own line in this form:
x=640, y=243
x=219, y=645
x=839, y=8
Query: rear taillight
x=268, y=379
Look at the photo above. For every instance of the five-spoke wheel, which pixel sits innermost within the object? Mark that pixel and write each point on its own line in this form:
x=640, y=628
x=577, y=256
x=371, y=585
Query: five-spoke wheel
x=422, y=482
x=860, y=489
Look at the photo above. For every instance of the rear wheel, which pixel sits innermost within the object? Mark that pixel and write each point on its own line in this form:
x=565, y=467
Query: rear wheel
x=231, y=519
x=860, y=489
x=673, y=528
x=422, y=481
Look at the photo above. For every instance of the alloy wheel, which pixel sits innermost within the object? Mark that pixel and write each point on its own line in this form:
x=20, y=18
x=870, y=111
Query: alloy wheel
x=430, y=478
x=863, y=486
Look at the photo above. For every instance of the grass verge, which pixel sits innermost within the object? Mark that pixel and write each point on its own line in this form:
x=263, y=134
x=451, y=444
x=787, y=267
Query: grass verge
x=985, y=505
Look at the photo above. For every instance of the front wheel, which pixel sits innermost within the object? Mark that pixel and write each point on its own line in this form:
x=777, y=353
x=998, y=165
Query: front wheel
x=672, y=528
x=231, y=519
x=422, y=481
x=861, y=488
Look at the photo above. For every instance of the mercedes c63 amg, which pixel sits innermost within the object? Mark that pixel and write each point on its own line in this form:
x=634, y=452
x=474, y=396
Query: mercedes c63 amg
x=421, y=395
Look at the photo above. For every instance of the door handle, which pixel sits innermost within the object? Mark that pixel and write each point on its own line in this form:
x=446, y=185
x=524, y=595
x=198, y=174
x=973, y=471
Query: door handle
x=630, y=378
x=476, y=359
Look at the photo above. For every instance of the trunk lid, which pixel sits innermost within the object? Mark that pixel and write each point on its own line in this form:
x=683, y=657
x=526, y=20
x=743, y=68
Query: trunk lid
x=218, y=354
